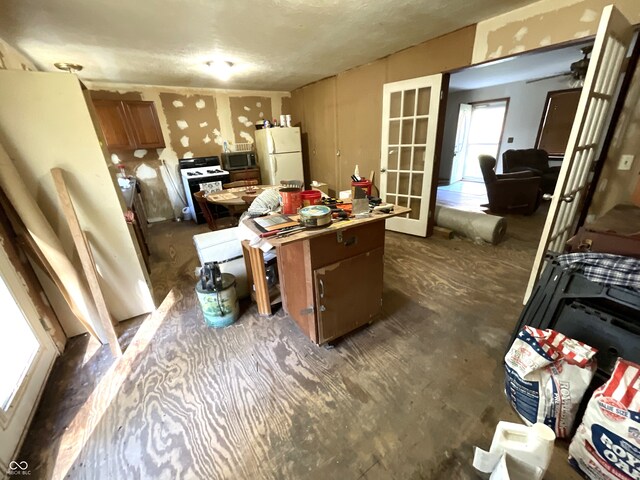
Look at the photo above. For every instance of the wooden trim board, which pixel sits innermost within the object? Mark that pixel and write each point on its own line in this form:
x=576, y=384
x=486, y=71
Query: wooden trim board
x=86, y=258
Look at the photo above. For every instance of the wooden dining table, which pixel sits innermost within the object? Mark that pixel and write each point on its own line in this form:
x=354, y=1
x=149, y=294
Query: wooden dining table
x=238, y=196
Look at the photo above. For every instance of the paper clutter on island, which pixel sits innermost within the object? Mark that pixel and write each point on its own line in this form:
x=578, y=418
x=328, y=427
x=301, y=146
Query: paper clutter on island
x=547, y=374
x=517, y=452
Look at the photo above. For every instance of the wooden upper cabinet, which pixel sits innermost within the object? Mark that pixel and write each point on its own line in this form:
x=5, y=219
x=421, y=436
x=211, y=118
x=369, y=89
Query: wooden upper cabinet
x=113, y=121
x=146, y=127
x=129, y=124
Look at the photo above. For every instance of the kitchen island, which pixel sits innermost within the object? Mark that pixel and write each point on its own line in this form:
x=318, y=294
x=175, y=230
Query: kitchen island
x=330, y=278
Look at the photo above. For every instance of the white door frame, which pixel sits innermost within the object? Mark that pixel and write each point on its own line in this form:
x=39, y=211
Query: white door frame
x=460, y=145
x=15, y=420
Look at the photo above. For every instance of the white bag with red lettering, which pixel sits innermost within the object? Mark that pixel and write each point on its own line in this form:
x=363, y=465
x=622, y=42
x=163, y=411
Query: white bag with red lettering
x=546, y=375
x=607, y=443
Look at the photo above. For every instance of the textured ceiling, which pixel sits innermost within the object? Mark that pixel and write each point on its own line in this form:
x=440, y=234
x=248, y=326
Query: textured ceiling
x=275, y=44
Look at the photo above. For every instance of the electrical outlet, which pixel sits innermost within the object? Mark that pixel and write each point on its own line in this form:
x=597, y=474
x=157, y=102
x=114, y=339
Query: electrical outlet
x=625, y=162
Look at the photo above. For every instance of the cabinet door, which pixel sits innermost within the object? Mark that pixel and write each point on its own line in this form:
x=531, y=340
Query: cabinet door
x=348, y=294
x=144, y=124
x=249, y=174
x=112, y=116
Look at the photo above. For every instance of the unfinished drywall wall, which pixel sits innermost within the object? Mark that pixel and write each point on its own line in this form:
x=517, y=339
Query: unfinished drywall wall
x=319, y=103
x=617, y=186
x=543, y=23
x=194, y=123
x=344, y=113
x=54, y=129
x=245, y=113
x=12, y=59
x=359, y=120
x=526, y=103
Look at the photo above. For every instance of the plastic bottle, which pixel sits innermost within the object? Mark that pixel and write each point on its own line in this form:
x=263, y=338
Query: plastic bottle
x=533, y=444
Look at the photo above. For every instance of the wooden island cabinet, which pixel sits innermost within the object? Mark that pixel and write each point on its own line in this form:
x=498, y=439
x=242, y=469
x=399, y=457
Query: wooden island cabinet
x=330, y=278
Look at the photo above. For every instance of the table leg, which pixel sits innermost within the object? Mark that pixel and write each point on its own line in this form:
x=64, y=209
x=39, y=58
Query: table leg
x=257, y=276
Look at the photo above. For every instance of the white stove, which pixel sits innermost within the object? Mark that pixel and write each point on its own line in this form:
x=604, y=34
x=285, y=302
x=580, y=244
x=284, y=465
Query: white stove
x=204, y=173
x=201, y=172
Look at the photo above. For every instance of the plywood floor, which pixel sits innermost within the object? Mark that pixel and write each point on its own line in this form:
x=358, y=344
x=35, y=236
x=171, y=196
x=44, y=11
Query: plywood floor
x=405, y=398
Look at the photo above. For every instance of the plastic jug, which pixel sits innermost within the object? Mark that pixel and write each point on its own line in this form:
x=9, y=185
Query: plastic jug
x=532, y=446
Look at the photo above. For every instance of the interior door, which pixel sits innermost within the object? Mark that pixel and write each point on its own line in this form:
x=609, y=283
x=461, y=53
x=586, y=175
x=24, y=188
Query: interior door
x=26, y=356
x=462, y=134
x=410, y=110
x=594, y=108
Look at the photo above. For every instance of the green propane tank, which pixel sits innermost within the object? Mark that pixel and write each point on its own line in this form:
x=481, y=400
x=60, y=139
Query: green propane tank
x=217, y=295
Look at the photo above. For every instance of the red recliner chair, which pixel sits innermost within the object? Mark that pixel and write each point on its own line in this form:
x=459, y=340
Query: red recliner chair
x=511, y=192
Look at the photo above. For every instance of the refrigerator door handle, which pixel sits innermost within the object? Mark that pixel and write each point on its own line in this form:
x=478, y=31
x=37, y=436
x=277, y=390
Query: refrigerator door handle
x=273, y=142
x=275, y=164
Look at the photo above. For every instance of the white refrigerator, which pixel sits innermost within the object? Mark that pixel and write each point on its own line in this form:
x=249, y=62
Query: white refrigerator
x=279, y=154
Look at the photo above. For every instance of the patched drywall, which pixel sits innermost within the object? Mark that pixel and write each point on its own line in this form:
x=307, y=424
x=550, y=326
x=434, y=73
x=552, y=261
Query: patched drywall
x=138, y=163
x=194, y=123
x=543, y=23
x=12, y=59
x=618, y=186
x=245, y=113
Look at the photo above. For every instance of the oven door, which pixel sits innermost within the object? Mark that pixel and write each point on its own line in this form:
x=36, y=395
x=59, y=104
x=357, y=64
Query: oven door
x=194, y=186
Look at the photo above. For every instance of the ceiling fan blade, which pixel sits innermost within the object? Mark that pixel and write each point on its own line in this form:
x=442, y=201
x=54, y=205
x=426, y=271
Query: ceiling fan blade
x=563, y=74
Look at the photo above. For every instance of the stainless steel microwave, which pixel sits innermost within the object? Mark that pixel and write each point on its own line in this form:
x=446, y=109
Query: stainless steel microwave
x=238, y=160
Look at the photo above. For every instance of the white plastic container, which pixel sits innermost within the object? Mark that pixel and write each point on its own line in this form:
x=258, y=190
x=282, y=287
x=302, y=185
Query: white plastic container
x=533, y=445
x=531, y=448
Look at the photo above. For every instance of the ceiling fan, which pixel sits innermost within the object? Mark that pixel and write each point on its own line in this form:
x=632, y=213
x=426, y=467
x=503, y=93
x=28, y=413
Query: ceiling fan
x=577, y=70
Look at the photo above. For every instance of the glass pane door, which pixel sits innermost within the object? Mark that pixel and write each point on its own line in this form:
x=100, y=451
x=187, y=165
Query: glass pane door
x=408, y=126
x=410, y=118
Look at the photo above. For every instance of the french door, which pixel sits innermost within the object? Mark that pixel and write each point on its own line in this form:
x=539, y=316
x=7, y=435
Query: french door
x=26, y=356
x=594, y=109
x=410, y=110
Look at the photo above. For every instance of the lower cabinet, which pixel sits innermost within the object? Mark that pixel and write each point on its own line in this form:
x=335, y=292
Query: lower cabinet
x=331, y=283
x=348, y=294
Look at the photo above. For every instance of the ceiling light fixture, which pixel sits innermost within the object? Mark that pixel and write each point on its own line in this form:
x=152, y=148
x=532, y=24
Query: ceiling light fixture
x=68, y=67
x=221, y=69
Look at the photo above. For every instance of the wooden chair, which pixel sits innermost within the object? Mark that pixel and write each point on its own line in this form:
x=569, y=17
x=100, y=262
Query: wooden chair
x=241, y=183
x=204, y=206
x=237, y=210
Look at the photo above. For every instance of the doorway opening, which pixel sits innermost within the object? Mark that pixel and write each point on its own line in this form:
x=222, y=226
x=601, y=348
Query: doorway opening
x=18, y=347
x=482, y=135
